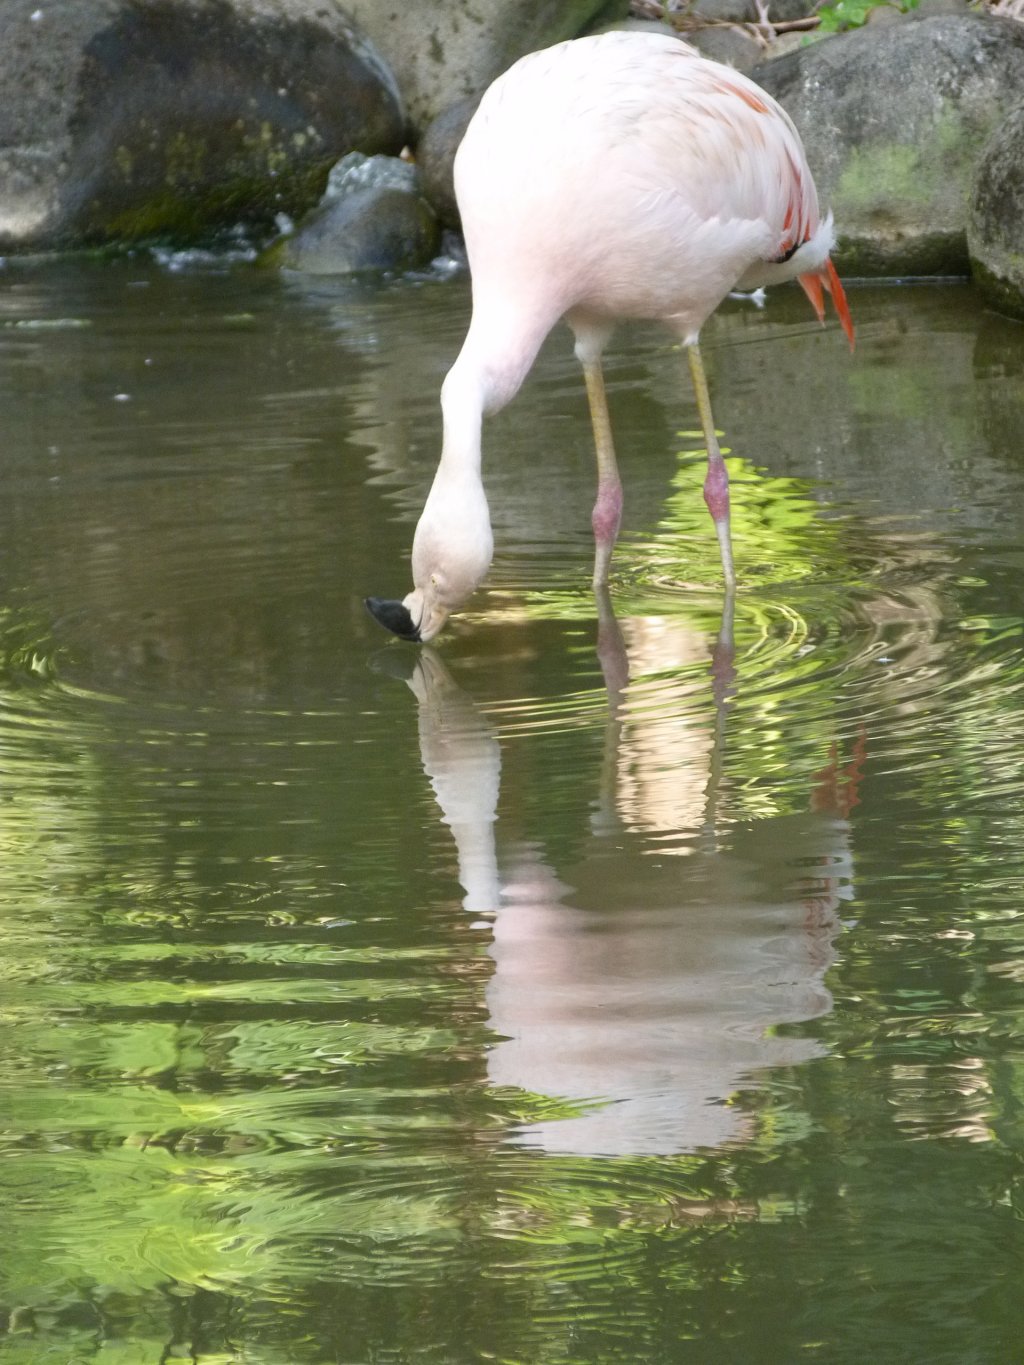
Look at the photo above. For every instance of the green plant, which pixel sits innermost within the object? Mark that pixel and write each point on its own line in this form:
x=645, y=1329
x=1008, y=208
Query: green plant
x=843, y=14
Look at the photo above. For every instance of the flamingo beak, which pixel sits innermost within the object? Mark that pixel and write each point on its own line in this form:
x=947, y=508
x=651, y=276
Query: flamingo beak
x=393, y=616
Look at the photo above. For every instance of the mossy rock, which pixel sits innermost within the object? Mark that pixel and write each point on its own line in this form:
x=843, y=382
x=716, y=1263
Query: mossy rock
x=995, y=225
x=128, y=119
x=894, y=120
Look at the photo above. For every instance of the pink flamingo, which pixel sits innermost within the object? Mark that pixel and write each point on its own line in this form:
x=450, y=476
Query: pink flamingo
x=618, y=176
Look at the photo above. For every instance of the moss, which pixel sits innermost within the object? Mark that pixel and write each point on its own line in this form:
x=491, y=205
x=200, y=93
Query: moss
x=185, y=159
x=172, y=191
x=187, y=216
x=161, y=215
x=274, y=256
x=264, y=147
x=930, y=174
x=905, y=203
x=878, y=176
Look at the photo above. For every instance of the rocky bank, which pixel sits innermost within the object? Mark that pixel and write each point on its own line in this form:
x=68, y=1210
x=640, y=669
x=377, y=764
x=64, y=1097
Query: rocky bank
x=130, y=120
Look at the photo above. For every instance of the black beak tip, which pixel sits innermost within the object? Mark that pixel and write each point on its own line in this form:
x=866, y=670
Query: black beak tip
x=393, y=616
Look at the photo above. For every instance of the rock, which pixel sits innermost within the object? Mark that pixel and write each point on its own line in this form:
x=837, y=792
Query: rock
x=995, y=223
x=893, y=120
x=745, y=11
x=435, y=157
x=792, y=41
x=372, y=217
x=728, y=45
x=723, y=12
x=444, y=50
x=129, y=119
x=780, y=10
x=636, y=24
x=359, y=172
x=929, y=8
x=374, y=229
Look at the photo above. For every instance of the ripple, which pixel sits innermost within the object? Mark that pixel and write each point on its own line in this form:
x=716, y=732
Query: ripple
x=299, y=1062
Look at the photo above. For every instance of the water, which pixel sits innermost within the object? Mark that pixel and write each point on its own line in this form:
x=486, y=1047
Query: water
x=562, y=994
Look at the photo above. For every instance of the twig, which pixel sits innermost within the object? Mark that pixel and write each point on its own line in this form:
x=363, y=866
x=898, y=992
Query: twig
x=679, y=15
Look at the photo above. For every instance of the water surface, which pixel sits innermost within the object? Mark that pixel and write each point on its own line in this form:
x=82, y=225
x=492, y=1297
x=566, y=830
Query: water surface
x=578, y=990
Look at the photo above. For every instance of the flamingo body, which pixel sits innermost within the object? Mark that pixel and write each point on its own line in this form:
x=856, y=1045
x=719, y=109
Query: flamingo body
x=617, y=176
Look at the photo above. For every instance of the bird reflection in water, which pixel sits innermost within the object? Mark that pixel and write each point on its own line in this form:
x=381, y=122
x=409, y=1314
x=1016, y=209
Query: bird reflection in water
x=646, y=988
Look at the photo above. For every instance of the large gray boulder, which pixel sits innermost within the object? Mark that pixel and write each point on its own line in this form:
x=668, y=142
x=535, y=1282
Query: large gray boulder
x=125, y=119
x=894, y=119
x=995, y=226
x=443, y=50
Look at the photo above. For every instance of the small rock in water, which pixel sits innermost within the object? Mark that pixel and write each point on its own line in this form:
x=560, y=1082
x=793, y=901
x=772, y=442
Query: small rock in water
x=359, y=172
x=370, y=229
x=371, y=217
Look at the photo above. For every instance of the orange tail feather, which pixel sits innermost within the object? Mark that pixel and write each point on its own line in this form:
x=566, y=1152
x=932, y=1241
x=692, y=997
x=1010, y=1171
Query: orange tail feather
x=814, y=287
x=834, y=285
x=811, y=285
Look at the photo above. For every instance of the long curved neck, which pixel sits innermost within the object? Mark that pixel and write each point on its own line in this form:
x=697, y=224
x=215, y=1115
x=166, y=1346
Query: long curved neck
x=501, y=345
x=453, y=544
x=462, y=408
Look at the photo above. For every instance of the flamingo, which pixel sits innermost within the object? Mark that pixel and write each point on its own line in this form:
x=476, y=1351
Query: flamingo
x=608, y=177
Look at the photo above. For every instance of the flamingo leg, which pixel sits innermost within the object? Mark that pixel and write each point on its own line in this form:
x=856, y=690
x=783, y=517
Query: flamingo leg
x=607, y=514
x=716, y=484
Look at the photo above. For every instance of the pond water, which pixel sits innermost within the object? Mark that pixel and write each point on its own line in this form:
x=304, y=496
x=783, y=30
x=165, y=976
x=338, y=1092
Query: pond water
x=562, y=993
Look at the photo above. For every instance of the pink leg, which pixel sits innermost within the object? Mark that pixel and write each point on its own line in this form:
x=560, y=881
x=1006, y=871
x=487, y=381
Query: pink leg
x=716, y=488
x=606, y=519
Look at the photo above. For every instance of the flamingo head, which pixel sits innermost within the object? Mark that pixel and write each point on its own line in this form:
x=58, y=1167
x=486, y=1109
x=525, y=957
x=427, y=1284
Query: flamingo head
x=418, y=617
x=450, y=556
